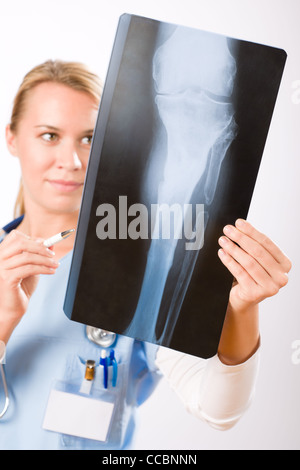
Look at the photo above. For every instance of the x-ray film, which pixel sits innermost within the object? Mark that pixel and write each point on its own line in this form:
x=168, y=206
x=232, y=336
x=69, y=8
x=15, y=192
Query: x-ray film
x=177, y=146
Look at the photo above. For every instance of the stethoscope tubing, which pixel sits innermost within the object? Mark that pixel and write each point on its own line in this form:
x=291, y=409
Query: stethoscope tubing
x=6, y=404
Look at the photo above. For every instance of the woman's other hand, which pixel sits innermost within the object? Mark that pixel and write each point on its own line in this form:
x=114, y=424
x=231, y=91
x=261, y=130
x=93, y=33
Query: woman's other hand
x=22, y=260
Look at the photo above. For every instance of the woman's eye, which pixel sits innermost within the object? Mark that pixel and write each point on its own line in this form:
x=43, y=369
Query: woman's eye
x=87, y=140
x=49, y=137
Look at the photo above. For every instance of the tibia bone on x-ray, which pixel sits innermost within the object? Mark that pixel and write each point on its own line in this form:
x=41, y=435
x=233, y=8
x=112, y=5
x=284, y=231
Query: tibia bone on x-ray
x=193, y=80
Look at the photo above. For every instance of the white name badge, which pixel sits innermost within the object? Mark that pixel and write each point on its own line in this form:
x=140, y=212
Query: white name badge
x=77, y=415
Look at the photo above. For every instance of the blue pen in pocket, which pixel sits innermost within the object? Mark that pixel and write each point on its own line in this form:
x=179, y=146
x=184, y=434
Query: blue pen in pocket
x=114, y=365
x=103, y=362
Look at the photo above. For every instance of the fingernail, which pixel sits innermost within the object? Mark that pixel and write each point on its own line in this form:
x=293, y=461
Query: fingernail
x=240, y=223
x=223, y=240
x=227, y=229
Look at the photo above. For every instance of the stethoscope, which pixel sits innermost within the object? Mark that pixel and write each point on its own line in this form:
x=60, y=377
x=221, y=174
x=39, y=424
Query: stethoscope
x=3, y=377
x=101, y=337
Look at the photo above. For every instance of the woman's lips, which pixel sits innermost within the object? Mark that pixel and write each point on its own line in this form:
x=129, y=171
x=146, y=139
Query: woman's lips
x=65, y=186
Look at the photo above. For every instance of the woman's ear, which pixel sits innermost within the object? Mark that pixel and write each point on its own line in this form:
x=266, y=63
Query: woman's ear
x=11, y=141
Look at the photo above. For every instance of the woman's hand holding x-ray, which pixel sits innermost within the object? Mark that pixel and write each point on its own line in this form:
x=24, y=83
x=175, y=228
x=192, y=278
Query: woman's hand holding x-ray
x=22, y=260
x=260, y=268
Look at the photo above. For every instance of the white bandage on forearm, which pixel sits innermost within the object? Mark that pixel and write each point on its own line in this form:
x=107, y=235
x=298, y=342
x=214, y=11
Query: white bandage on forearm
x=209, y=389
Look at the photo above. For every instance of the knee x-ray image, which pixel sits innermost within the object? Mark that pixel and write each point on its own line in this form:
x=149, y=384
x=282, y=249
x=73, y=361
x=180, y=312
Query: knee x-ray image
x=176, y=151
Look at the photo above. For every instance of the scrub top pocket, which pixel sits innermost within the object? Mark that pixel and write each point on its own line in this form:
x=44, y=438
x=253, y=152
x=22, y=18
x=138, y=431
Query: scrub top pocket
x=94, y=420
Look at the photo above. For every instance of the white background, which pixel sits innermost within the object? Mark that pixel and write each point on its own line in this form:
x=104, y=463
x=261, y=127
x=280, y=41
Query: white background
x=32, y=31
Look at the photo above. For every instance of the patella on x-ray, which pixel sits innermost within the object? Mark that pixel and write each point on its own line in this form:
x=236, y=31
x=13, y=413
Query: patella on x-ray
x=179, y=139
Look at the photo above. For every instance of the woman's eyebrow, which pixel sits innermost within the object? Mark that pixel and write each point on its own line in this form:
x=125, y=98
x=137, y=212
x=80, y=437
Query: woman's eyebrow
x=53, y=128
x=48, y=127
x=89, y=131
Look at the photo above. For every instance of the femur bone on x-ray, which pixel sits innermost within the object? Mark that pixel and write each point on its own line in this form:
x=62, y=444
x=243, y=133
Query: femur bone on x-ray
x=193, y=91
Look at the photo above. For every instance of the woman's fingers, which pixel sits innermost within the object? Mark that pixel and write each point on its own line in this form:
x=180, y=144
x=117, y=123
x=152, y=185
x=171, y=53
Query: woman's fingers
x=261, y=267
x=256, y=262
x=250, y=275
x=22, y=257
x=28, y=258
x=238, y=272
x=262, y=252
x=29, y=270
x=246, y=228
x=17, y=242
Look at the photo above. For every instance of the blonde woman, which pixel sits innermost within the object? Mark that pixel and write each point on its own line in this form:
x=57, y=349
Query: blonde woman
x=50, y=132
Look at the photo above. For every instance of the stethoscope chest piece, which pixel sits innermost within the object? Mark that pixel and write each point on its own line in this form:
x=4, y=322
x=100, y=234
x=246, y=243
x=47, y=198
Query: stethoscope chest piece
x=103, y=338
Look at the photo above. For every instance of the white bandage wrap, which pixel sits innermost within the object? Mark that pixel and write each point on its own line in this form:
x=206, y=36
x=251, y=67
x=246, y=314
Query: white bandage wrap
x=217, y=393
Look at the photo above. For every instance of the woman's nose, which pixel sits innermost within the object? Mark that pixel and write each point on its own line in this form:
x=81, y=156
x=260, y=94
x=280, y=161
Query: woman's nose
x=76, y=161
x=69, y=159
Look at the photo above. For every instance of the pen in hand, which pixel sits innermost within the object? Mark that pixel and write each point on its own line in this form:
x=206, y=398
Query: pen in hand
x=58, y=237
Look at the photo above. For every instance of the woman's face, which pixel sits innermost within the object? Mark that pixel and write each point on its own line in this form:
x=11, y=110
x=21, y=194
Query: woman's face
x=52, y=142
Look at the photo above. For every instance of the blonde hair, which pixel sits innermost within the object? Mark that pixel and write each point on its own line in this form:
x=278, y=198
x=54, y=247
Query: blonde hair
x=71, y=74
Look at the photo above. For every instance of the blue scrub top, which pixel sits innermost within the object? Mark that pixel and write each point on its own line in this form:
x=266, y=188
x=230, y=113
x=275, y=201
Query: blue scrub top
x=47, y=347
